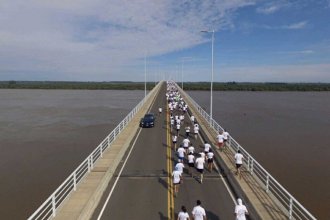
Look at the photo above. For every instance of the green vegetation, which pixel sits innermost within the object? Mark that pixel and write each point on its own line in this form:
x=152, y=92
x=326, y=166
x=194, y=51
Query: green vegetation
x=229, y=86
x=234, y=86
x=75, y=85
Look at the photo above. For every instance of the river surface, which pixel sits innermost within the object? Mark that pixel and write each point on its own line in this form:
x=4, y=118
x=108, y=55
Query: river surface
x=46, y=134
x=287, y=132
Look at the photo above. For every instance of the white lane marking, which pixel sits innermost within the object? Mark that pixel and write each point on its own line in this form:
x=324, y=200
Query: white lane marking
x=114, y=185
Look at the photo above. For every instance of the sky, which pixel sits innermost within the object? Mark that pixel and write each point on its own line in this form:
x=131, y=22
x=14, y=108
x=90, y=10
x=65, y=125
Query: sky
x=112, y=40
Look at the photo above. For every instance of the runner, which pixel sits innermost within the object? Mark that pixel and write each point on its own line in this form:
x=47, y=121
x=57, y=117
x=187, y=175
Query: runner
x=183, y=214
x=207, y=147
x=174, y=140
x=192, y=118
x=179, y=166
x=160, y=110
x=177, y=177
x=225, y=138
x=239, y=161
x=199, y=212
x=220, y=140
x=191, y=162
x=240, y=210
x=196, y=130
x=187, y=130
x=210, y=156
x=200, y=166
x=178, y=125
x=185, y=144
x=191, y=149
x=181, y=151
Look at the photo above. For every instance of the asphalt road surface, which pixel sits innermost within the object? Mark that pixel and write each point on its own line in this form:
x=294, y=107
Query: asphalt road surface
x=142, y=187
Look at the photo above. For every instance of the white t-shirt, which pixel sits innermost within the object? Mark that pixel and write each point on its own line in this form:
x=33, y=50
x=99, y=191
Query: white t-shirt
x=225, y=135
x=188, y=129
x=191, y=158
x=196, y=129
x=179, y=167
x=176, y=176
x=202, y=155
x=240, y=211
x=207, y=147
x=198, y=213
x=181, y=152
x=183, y=216
x=200, y=163
x=191, y=149
x=220, y=138
x=178, y=126
x=172, y=121
x=185, y=142
x=174, y=138
x=160, y=109
x=192, y=118
x=210, y=155
x=239, y=158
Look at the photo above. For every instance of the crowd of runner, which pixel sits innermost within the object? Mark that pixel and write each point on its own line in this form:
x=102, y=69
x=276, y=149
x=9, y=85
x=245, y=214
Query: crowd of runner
x=195, y=158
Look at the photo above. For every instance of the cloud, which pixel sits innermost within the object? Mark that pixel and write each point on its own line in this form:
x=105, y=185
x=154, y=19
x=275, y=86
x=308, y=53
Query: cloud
x=99, y=39
x=272, y=7
x=299, y=25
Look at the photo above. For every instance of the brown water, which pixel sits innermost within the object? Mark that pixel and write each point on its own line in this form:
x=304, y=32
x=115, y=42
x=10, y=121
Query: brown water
x=46, y=134
x=287, y=132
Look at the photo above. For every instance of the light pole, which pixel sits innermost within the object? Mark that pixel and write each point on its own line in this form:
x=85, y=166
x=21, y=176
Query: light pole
x=145, y=75
x=211, y=96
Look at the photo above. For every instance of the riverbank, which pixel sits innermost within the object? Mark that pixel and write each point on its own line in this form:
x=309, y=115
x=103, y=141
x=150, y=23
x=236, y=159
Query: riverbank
x=203, y=86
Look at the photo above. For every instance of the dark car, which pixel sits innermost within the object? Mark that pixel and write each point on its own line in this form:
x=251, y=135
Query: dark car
x=147, y=121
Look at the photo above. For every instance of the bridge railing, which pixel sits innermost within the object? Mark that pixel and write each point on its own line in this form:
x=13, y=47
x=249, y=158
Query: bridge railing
x=48, y=209
x=293, y=208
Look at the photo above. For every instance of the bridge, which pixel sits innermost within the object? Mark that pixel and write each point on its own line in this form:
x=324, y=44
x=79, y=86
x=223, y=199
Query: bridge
x=129, y=175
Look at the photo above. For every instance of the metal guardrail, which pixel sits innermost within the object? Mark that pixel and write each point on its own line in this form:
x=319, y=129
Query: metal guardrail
x=294, y=210
x=48, y=209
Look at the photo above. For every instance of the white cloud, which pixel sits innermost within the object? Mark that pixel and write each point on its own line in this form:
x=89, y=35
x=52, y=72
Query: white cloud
x=95, y=40
x=272, y=7
x=299, y=25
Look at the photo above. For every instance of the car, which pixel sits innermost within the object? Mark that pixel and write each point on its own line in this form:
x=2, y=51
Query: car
x=148, y=120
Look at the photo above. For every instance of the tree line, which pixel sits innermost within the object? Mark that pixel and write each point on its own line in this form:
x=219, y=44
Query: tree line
x=217, y=86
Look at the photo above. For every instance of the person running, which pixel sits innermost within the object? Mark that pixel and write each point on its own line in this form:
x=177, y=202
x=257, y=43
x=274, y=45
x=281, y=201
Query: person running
x=192, y=118
x=177, y=177
x=160, y=110
x=178, y=125
x=207, y=147
x=187, y=130
x=198, y=211
x=183, y=214
x=220, y=140
x=225, y=138
x=172, y=123
x=191, y=163
x=200, y=161
x=196, y=130
x=181, y=151
x=210, y=156
x=239, y=161
x=240, y=210
x=191, y=149
x=179, y=166
x=186, y=143
x=174, y=140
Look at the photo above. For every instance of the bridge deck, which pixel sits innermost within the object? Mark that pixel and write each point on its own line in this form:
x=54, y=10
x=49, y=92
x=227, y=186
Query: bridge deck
x=141, y=190
x=133, y=178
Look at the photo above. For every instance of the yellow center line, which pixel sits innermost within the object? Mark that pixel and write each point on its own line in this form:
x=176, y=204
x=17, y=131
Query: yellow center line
x=170, y=195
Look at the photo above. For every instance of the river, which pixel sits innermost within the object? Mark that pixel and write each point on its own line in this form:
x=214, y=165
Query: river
x=287, y=132
x=46, y=134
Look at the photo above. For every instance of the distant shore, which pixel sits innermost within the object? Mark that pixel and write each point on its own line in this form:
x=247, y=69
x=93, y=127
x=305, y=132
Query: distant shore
x=228, y=86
